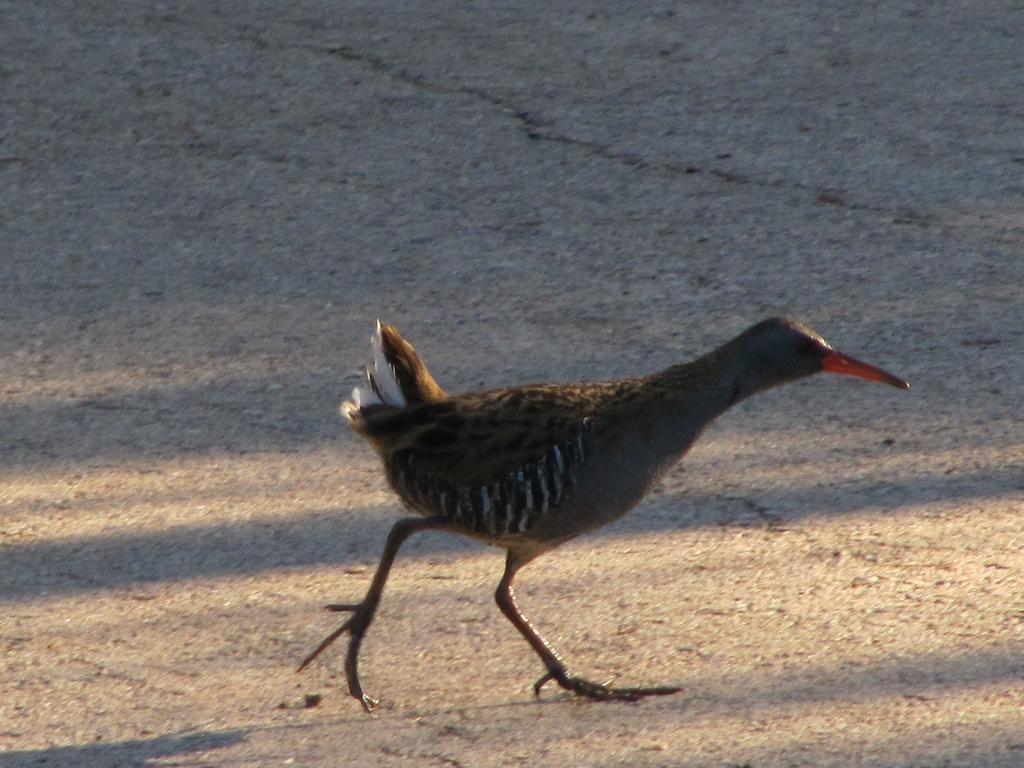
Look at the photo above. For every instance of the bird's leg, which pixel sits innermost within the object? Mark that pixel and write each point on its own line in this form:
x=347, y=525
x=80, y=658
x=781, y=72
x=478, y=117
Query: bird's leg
x=362, y=613
x=557, y=670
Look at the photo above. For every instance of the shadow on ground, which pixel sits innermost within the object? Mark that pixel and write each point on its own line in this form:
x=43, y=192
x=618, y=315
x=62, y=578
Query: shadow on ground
x=339, y=536
x=283, y=412
x=133, y=753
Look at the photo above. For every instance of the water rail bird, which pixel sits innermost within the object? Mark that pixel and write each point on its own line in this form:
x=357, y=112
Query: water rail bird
x=527, y=468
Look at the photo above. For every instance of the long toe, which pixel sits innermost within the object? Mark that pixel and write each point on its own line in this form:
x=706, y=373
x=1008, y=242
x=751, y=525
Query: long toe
x=347, y=626
x=340, y=607
x=600, y=692
x=634, y=694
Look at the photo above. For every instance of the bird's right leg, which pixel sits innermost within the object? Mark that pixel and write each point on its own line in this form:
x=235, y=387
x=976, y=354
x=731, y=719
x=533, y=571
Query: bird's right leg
x=557, y=670
x=362, y=613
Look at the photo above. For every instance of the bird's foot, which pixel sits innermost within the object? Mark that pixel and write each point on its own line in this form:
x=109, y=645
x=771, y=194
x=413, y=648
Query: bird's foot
x=356, y=625
x=367, y=702
x=599, y=691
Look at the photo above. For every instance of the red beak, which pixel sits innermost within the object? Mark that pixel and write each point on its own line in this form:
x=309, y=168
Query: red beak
x=837, y=362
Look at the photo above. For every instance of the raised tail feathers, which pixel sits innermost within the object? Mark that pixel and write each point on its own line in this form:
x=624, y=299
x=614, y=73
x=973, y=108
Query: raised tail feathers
x=395, y=377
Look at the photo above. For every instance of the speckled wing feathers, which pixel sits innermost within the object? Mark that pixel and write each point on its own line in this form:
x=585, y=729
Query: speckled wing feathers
x=475, y=438
x=494, y=462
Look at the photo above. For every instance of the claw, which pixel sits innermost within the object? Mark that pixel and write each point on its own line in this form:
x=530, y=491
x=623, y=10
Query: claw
x=368, y=703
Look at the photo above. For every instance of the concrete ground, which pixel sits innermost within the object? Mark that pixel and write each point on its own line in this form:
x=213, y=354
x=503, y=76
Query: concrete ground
x=204, y=207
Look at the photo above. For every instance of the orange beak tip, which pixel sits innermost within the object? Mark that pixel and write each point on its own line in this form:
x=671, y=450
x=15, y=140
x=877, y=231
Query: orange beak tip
x=837, y=362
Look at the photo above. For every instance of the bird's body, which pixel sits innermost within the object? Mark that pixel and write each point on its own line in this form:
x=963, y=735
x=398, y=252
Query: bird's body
x=526, y=468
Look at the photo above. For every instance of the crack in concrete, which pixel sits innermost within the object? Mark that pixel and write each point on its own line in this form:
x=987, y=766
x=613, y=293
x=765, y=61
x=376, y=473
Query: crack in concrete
x=528, y=123
x=536, y=129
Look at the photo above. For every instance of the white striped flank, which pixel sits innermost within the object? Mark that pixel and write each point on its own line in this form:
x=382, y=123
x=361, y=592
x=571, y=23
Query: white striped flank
x=509, y=506
x=559, y=466
x=556, y=489
x=463, y=505
x=541, y=469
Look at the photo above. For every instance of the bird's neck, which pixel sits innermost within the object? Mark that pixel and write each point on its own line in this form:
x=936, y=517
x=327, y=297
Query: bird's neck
x=651, y=422
x=721, y=378
x=708, y=385
x=684, y=398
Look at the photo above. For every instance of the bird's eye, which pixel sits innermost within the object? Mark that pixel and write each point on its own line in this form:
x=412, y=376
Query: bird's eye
x=808, y=347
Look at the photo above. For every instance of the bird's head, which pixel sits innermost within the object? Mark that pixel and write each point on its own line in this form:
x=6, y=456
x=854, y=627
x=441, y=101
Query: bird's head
x=779, y=350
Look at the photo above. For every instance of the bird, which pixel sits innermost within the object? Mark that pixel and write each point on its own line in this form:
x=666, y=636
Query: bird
x=527, y=468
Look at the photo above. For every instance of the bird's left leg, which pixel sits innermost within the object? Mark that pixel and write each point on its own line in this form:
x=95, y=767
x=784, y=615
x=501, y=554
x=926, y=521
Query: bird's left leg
x=362, y=613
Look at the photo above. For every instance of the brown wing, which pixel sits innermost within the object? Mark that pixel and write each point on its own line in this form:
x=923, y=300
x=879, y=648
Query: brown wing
x=476, y=439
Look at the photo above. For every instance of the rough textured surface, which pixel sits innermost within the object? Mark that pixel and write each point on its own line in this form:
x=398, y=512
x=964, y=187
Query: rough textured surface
x=203, y=209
